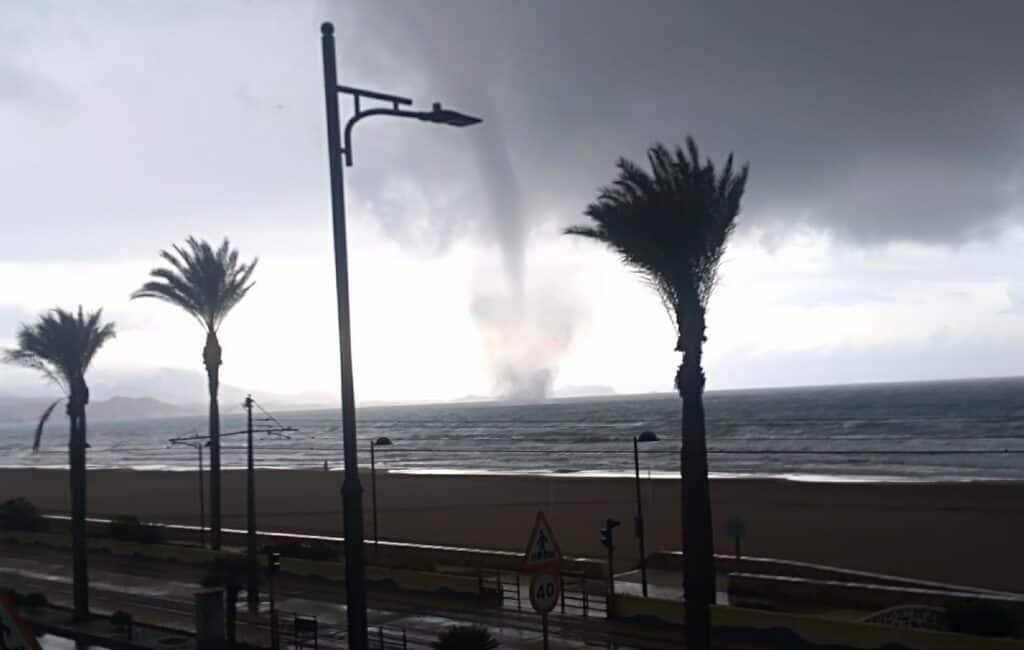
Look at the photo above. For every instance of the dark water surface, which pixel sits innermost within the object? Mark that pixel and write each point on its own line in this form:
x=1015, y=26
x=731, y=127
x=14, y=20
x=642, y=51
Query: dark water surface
x=958, y=430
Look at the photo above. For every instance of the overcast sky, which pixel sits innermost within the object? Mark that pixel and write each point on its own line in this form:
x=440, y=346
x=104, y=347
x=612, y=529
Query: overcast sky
x=880, y=235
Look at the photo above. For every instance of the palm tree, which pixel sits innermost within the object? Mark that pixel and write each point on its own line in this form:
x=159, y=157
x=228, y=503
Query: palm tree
x=671, y=225
x=206, y=283
x=61, y=345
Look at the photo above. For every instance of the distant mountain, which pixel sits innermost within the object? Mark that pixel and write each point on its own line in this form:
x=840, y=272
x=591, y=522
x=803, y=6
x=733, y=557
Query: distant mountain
x=188, y=389
x=171, y=385
x=28, y=409
x=135, y=407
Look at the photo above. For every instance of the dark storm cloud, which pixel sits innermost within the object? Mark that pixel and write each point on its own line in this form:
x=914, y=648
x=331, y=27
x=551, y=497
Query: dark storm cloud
x=876, y=121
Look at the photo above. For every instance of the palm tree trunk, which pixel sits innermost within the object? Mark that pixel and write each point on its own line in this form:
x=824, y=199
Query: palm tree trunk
x=698, y=548
x=76, y=449
x=212, y=360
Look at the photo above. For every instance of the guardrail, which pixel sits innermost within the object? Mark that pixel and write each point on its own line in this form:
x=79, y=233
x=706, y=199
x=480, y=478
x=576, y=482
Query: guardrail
x=724, y=563
x=747, y=589
x=779, y=629
x=377, y=577
x=300, y=631
x=401, y=555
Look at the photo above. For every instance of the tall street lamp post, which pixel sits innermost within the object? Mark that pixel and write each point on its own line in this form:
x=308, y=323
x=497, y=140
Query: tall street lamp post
x=252, y=590
x=383, y=441
x=646, y=436
x=351, y=489
x=198, y=446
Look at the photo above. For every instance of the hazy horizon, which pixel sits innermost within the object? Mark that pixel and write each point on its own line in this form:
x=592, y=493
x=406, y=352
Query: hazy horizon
x=284, y=403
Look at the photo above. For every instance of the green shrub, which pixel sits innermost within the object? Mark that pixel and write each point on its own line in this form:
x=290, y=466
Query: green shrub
x=20, y=514
x=465, y=637
x=121, y=619
x=128, y=528
x=980, y=618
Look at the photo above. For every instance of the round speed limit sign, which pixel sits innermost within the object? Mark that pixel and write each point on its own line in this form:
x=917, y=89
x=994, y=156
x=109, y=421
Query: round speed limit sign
x=545, y=589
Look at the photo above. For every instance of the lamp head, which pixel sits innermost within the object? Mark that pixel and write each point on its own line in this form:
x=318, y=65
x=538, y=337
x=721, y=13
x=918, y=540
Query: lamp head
x=648, y=436
x=440, y=115
x=383, y=441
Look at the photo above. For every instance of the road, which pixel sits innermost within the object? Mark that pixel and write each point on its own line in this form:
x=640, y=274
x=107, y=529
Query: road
x=162, y=593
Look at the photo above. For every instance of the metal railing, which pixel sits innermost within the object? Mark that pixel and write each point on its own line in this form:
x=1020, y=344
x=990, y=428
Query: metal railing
x=302, y=631
x=504, y=585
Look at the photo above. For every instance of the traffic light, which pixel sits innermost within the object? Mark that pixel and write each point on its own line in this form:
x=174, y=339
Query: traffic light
x=273, y=562
x=606, y=532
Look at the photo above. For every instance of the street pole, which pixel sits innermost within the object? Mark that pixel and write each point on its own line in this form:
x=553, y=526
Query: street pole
x=611, y=572
x=273, y=563
x=608, y=541
x=640, y=517
x=351, y=489
x=202, y=499
x=373, y=488
x=252, y=592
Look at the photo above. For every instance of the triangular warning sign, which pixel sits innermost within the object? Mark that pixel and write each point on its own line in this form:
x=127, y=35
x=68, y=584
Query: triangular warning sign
x=542, y=548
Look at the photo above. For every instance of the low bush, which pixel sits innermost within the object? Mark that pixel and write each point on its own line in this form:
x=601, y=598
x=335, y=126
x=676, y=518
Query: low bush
x=121, y=619
x=980, y=618
x=20, y=514
x=128, y=528
x=465, y=637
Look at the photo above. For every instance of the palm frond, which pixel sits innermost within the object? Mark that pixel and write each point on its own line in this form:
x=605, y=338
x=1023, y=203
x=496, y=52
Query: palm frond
x=670, y=223
x=61, y=344
x=42, y=422
x=203, y=281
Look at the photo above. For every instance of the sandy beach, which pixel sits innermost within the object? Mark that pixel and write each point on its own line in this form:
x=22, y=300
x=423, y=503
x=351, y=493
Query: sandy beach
x=967, y=533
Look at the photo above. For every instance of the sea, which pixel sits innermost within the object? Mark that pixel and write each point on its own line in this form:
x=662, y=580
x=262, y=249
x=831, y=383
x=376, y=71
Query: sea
x=936, y=431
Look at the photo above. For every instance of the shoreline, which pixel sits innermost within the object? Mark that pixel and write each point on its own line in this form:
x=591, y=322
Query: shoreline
x=795, y=477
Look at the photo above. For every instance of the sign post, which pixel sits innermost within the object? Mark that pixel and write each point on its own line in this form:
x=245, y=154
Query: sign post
x=545, y=589
x=736, y=529
x=543, y=558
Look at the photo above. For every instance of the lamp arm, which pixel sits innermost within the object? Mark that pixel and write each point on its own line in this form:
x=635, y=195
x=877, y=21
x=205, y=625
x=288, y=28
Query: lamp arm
x=394, y=112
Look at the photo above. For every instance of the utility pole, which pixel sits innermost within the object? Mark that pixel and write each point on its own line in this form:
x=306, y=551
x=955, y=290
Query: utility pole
x=202, y=499
x=273, y=564
x=252, y=592
x=275, y=429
